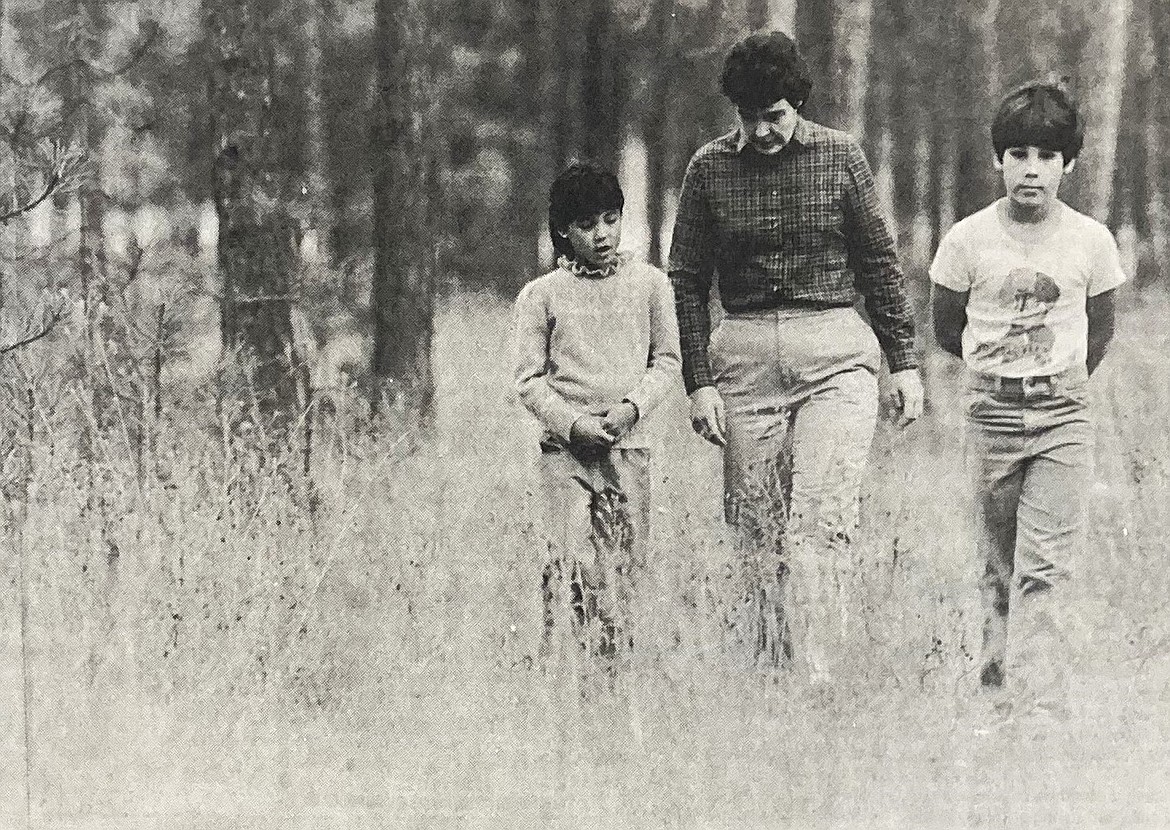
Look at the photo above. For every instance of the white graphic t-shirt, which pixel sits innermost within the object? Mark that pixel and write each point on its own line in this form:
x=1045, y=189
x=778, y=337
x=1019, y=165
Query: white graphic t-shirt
x=1026, y=306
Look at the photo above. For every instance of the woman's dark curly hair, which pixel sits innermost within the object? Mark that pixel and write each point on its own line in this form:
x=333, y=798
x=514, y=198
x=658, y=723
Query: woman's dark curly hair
x=1039, y=114
x=762, y=69
x=583, y=189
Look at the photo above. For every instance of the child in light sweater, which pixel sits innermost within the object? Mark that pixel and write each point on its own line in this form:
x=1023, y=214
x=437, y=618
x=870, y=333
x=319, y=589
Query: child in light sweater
x=597, y=349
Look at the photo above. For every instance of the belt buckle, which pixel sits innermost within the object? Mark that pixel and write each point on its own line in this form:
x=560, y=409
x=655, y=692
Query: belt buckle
x=1011, y=387
x=1023, y=387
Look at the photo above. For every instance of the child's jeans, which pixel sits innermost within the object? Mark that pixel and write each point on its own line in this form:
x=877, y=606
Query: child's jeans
x=596, y=524
x=1028, y=459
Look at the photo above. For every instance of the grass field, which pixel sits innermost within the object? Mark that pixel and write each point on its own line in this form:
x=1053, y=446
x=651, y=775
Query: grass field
x=204, y=651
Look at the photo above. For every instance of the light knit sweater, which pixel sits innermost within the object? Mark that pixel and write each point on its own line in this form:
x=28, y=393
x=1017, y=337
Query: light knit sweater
x=584, y=343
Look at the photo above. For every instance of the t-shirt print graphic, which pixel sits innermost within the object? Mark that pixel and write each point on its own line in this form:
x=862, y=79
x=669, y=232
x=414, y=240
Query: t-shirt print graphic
x=1031, y=295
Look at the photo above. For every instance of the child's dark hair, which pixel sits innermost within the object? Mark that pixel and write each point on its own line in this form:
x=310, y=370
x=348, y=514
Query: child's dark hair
x=583, y=189
x=1041, y=113
x=763, y=68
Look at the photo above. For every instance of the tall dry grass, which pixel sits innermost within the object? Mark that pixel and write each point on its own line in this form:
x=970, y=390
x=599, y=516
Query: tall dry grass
x=213, y=640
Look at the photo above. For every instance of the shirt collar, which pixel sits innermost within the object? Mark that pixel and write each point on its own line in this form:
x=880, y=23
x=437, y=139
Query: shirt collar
x=801, y=135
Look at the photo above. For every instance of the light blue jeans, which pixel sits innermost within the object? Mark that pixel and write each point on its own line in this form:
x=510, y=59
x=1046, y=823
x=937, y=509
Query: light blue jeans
x=800, y=391
x=1028, y=459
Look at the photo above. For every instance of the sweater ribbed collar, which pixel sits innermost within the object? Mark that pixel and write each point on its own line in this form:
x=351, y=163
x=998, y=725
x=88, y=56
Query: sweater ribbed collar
x=591, y=272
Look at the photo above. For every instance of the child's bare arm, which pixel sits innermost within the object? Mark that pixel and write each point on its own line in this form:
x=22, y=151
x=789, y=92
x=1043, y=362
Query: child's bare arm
x=950, y=318
x=1100, y=309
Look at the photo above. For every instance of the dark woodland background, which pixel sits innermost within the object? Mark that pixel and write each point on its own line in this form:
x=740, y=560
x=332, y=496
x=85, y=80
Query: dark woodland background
x=295, y=171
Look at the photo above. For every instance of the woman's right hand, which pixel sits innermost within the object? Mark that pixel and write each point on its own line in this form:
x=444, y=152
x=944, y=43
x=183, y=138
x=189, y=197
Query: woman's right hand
x=707, y=415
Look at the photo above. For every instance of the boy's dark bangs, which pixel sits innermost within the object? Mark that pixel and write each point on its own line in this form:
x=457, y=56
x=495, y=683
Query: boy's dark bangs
x=1039, y=119
x=1037, y=133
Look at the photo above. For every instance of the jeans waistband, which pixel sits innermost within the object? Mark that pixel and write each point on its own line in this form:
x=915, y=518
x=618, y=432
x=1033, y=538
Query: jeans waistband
x=1030, y=384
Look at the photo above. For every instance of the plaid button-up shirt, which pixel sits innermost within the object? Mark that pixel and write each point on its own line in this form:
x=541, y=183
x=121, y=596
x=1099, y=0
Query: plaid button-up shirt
x=802, y=226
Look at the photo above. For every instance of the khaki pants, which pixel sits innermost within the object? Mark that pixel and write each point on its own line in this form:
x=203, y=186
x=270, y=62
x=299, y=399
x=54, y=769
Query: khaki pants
x=596, y=524
x=800, y=391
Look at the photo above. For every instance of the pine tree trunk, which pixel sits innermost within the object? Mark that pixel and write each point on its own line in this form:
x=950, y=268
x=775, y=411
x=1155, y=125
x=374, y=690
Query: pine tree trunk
x=922, y=210
x=322, y=220
x=1100, y=102
x=849, y=65
x=757, y=14
x=84, y=38
x=403, y=282
x=547, y=73
x=976, y=91
x=8, y=245
x=782, y=16
x=1138, y=104
x=657, y=128
x=834, y=38
x=562, y=59
x=814, y=38
x=942, y=121
x=256, y=251
x=602, y=87
x=882, y=155
x=1154, y=208
x=532, y=160
x=91, y=260
x=1033, y=38
x=559, y=73
x=772, y=15
x=946, y=196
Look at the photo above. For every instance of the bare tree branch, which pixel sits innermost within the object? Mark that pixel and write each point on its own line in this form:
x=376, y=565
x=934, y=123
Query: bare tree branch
x=133, y=267
x=45, y=329
x=136, y=55
x=50, y=186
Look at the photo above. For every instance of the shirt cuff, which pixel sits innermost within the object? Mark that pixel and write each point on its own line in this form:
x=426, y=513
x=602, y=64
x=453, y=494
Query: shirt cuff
x=698, y=377
x=901, y=358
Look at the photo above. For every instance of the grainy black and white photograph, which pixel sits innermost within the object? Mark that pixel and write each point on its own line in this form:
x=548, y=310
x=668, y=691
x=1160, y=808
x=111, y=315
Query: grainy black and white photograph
x=584, y=413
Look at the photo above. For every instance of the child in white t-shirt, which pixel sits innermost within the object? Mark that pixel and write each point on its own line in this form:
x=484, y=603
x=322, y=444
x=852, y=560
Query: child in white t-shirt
x=1023, y=293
